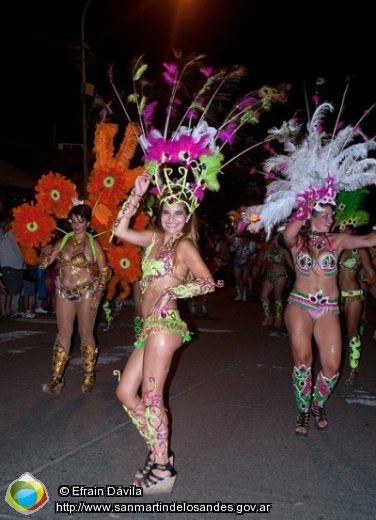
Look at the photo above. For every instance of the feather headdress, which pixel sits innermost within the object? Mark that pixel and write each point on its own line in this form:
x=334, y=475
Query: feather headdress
x=314, y=166
x=183, y=138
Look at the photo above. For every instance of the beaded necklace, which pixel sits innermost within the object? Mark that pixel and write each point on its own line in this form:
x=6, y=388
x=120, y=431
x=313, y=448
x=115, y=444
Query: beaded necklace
x=317, y=239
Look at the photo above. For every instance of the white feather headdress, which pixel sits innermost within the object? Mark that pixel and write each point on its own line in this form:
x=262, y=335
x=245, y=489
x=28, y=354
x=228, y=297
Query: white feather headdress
x=313, y=167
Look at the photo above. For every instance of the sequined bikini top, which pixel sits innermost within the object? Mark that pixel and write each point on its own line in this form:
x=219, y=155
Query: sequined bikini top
x=326, y=261
x=157, y=267
x=350, y=264
x=276, y=257
x=78, y=260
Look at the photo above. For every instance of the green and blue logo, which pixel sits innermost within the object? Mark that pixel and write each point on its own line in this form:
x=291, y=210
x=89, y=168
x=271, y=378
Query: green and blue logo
x=26, y=494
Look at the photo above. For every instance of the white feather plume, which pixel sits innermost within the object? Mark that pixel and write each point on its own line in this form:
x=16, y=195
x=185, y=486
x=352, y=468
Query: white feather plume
x=306, y=164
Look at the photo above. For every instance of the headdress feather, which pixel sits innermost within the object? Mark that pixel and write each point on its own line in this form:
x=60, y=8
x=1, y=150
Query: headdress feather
x=184, y=141
x=315, y=166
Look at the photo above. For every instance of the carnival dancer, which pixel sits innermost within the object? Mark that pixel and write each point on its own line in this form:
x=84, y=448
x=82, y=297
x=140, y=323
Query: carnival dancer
x=313, y=309
x=170, y=259
x=182, y=161
x=350, y=216
x=83, y=276
x=316, y=165
x=274, y=260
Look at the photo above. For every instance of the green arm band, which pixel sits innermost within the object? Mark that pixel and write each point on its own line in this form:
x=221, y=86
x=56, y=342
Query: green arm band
x=198, y=287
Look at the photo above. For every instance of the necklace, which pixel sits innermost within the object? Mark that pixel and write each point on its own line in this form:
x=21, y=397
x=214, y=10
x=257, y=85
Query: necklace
x=317, y=239
x=165, y=248
x=77, y=241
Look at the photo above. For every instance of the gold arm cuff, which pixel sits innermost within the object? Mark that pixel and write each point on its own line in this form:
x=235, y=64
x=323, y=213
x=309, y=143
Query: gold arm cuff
x=103, y=277
x=44, y=261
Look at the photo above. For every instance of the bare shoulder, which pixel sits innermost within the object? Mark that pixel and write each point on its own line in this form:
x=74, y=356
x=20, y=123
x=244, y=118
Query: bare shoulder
x=186, y=245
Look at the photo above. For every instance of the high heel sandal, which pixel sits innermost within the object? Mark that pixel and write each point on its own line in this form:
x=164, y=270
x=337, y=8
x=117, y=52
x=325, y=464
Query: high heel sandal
x=302, y=421
x=88, y=383
x=54, y=386
x=59, y=362
x=319, y=416
x=267, y=321
x=148, y=465
x=152, y=483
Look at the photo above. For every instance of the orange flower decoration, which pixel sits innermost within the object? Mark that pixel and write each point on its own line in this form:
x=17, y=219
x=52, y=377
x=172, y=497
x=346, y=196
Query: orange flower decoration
x=141, y=221
x=109, y=186
x=111, y=179
x=29, y=254
x=32, y=226
x=125, y=260
x=55, y=194
x=123, y=284
x=102, y=234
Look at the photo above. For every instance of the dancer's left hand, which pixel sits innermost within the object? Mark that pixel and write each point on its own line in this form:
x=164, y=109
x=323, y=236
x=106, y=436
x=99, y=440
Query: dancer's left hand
x=97, y=296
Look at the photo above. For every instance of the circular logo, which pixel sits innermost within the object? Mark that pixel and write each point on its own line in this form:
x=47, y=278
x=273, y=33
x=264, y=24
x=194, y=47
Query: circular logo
x=26, y=494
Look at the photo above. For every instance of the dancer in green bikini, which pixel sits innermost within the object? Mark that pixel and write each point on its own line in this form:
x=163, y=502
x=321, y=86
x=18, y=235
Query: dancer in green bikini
x=172, y=268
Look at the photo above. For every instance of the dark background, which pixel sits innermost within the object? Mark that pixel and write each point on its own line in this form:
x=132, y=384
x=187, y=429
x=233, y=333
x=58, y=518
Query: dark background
x=294, y=42
x=278, y=42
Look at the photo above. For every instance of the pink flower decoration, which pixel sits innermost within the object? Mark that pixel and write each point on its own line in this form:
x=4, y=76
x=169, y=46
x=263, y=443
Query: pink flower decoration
x=366, y=112
x=207, y=71
x=282, y=166
x=316, y=98
x=269, y=175
x=268, y=147
x=199, y=192
x=149, y=112
x=192, y=114
x=245, y=102
x=339, y=125
x=227, y=135
x=170, y=73
x=252, y=171
x=240, y=227
x=319, y=128
x=356, y=128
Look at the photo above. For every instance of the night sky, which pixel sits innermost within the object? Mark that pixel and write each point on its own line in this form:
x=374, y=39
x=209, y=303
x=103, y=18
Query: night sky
x=278, y=42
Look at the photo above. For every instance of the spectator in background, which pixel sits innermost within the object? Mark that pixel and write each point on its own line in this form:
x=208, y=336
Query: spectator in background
x=245, y=248
x=12, y=267
x=28, y=293
x=50, y=278
x=42, y=292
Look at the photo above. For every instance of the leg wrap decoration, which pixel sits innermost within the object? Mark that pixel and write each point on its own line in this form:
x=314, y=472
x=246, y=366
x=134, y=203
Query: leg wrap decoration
x=59, y=361
x=302, y=384
x=238, y=293
x=137, y=418
x=89, y=357
x=278, y=309
x=355, y=346
x=265, y=306
x=155, y=415
x=323, y=388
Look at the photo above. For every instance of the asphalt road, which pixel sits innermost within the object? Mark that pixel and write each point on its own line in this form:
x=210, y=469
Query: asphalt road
x=230, y=394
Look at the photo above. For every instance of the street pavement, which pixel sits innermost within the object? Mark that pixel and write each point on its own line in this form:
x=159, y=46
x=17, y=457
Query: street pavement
x=233, y=417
